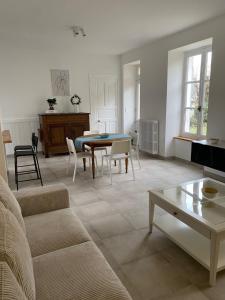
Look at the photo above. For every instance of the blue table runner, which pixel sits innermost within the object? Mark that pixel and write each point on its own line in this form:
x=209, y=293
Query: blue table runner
x=80, y=140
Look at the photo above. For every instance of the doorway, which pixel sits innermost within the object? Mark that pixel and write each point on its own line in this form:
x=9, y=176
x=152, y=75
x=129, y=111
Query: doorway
x=104, y=103
x=131, y=95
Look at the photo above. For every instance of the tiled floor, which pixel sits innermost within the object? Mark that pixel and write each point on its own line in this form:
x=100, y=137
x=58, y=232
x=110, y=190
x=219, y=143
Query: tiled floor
x=116, y=216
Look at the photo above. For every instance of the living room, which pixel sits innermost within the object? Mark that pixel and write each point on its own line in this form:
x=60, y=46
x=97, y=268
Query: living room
x=144, y=222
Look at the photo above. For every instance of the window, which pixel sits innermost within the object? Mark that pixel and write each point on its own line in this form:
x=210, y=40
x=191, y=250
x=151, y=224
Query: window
x=196, y=85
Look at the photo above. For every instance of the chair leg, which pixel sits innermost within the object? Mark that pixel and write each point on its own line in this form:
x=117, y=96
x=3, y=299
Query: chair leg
x=68, y=165
x=132, y=167
x=102, y=164
x=35, y=165
x=110, y=170
x=96, y=162
x=75, y=168
x=137, y=153
x=89, y=162
x=16, y=172
x=120, y=166
x=107, y=162
x=38, y=168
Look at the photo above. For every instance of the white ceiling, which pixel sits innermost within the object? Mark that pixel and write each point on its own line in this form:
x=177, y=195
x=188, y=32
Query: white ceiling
x=113, y=26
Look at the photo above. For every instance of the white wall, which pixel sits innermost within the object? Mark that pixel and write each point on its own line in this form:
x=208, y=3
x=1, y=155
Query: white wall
x=154, y=63
x=25, y=77
x=174, y=99
x=25, y=80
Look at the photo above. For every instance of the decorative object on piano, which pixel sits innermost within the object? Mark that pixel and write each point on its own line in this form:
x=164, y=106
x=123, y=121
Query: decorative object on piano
x=76, y=101
x=51, y=102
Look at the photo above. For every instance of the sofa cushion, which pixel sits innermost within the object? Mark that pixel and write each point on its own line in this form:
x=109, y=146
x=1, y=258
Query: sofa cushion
x=54, y=230
x=9, y=201
x=9, y=287
x=79, y=272
x=15, y=251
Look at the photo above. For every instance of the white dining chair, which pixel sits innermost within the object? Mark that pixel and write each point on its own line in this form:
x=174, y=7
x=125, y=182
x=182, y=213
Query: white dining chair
x=135, y=144
x=120, y=150
x=89, y=132
x=76, y=155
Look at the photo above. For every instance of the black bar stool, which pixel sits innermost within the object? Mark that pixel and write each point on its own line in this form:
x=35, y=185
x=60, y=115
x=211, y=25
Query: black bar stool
x=27, y=150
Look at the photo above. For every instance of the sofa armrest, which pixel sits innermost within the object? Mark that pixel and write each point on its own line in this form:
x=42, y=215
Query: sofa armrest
x=43, y=199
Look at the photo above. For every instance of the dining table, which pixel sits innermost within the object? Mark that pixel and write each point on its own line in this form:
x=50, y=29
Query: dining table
x=99, y=140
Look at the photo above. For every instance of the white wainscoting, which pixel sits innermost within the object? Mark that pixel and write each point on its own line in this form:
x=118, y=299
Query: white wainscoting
x=21, y=131
x=183, y=149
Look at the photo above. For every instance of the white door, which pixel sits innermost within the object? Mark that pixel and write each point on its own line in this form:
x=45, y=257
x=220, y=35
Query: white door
x=104, y=102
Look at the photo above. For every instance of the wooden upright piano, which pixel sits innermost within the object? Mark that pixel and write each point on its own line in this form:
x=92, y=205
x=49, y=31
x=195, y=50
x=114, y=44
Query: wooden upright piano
x=55, y=127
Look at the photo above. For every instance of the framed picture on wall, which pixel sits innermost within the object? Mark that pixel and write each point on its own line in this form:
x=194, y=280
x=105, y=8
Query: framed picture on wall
x=60, y=82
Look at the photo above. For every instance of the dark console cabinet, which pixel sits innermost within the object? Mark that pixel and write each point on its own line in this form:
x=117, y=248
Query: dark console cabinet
x=55, y=127
x=209, y=155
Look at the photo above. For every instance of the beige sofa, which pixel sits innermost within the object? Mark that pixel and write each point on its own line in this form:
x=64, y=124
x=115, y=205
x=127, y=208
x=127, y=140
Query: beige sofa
x=46, y=253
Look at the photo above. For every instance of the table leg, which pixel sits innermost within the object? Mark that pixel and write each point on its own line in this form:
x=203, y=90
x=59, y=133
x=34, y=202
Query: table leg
x=84, y=159
x=84, y=163
x=151, y=214
x=93, y=161
x=214, y=254
x=126, y=163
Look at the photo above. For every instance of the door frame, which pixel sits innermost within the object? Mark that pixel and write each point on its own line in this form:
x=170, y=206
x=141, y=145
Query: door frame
x=136, y=63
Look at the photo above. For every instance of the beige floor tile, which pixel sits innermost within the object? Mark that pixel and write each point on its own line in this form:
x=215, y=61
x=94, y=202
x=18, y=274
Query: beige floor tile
x=129, y=286
x=95, y=210
x=192, y=270
x=189, y=293
x=136, y=244
x=111, y=225
x=130, y=205
x=216, y=292
x=138, y=219
x=110, y=259
x=83, y=198
x=153, y=277
x=92, y=233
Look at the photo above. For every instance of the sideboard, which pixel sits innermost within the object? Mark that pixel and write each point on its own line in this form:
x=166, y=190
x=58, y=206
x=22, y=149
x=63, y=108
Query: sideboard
x=209, y=154
x=55, y=127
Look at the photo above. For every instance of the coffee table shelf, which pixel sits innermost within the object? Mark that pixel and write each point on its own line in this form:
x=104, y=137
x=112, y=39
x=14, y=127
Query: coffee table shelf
x=189, y=240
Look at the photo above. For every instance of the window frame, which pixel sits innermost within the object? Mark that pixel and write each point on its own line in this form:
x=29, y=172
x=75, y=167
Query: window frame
x=137, y=92
x=199, y=51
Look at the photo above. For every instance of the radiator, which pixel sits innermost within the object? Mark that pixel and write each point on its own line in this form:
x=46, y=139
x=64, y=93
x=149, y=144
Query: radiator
x=149, y=136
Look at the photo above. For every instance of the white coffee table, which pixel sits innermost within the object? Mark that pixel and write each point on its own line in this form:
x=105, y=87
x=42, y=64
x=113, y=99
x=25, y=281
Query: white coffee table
x=193, y=221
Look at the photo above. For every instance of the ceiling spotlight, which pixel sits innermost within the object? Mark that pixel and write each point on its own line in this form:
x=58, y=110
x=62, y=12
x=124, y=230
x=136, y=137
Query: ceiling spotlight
x=82, y=32
x=78, y=30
